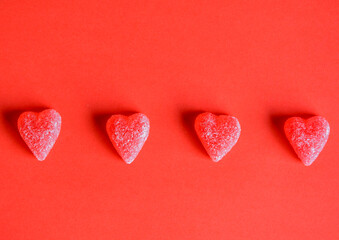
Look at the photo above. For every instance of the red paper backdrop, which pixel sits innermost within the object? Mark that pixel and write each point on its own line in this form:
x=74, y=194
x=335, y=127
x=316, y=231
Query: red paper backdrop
x=260, y=61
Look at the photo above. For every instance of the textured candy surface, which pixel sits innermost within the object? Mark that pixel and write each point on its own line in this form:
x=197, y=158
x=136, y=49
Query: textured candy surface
x=218, y=134
x=307, y=137
x=128, y=134
x=40, y=131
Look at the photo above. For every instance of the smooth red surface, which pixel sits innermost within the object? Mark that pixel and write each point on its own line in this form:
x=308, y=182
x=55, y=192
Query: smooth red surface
x=261, y=61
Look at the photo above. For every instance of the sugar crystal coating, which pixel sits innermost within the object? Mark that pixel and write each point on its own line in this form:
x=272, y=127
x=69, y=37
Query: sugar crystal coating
x=128, y=134
x=40, y=131
x=307, y=137
x=218, y=134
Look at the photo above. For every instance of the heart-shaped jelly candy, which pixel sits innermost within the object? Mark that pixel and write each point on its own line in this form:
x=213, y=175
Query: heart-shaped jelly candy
x=40, y=131
x=218, y=134
x=307, y=137
x=128, y=134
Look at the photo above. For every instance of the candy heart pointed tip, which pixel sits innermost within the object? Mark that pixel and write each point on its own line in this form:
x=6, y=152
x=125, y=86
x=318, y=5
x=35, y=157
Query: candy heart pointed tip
x=216, y=159
x=40, y=131
x=308, y=137
x=218, y=134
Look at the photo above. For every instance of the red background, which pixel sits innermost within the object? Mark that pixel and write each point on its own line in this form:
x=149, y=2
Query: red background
x=260, y=61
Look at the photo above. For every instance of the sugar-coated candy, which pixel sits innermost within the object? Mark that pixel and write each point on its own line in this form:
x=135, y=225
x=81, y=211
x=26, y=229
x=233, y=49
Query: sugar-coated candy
x=40, y=131
x=128, y=134
x=307, y=137
x=218, y=134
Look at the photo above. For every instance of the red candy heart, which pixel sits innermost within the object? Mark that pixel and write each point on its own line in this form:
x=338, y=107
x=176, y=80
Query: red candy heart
x=218, y=134
x=307, y=137
x=128, y=134
x=40, y=131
